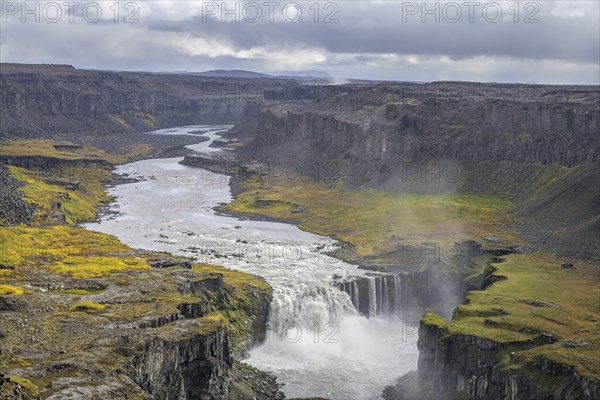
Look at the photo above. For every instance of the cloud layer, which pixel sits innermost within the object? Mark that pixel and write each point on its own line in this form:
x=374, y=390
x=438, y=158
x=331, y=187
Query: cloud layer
x=528, y=41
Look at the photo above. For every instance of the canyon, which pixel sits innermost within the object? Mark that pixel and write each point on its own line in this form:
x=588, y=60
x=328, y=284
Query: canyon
x=511, y=169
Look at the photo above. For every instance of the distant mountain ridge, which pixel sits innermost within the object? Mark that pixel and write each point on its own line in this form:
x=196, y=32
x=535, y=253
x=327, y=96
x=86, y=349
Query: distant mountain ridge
x=231, y=73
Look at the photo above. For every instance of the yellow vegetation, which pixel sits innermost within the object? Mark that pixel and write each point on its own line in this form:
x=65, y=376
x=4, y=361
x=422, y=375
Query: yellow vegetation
x=376, y=222
x=87, y=305
x=13, y=290
x=26, y=383
x=95, y=267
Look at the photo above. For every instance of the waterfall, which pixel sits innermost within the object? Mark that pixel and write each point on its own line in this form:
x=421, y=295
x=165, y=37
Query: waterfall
x=383, y=298
x=355, y=294
x=386, y=300
x=380, y=294
x=372, y=296
x=305, y=290
x=398, y=295
x=306, y=306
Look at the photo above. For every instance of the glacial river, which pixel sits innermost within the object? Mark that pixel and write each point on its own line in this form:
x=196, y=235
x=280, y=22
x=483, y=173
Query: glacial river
x=318, y=344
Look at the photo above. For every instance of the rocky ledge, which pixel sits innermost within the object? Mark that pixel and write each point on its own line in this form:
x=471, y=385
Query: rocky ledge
x=130, y=335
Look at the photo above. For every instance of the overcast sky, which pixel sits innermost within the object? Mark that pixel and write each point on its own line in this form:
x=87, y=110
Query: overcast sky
x=532, y=41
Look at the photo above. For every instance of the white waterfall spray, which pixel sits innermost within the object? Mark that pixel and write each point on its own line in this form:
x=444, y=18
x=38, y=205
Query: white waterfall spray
x=355, y=294
x=372, y=296
x=386, y=298
x=398, y=295
x=308, y=306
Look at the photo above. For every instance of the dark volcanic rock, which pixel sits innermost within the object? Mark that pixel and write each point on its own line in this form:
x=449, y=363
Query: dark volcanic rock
x=184, y=368
x=43, y=100
x=10, y=390
x=472, y=365
x=166, y=262
x=13, y=209
x=11, y=303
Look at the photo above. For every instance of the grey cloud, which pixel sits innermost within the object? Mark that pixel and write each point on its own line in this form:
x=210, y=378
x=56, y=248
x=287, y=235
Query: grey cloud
x=366, y=33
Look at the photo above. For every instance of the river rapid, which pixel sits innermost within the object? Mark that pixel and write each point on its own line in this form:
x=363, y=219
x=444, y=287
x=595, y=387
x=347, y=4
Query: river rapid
x=317, y=343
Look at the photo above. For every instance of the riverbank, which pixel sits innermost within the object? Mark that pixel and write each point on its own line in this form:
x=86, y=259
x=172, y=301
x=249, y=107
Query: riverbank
x=83, y=313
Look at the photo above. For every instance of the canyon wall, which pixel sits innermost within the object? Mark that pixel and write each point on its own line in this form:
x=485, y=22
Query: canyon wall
x=371, y=132
x=515, y=141
x=42, y=100
x=473, y=365
x=191, y=367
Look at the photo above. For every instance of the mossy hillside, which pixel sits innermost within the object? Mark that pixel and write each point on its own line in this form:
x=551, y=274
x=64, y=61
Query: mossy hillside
x=85, y=295
x=81, y=254
x=64, y=150
x=147, y=119
x=61, y=150
x=77, y=321
x=511, y=312
x=68, y=250
x=247, y=299
x=377, y=223
x=75, y=205
x=134, y=120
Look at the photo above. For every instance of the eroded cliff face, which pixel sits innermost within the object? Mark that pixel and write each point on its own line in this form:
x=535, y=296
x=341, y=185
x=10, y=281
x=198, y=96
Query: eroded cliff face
x=517, y=141
x=69, y=100
x=461, y=363
x=371, y=134
x=193, y=367
x=41, y=100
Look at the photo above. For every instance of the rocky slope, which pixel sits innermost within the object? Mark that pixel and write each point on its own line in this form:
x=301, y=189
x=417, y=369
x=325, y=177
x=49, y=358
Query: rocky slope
x=85, y=316
x=473, y=365
x=376, y=129
x=516, y=141
x=45, y=100
x=13, y=209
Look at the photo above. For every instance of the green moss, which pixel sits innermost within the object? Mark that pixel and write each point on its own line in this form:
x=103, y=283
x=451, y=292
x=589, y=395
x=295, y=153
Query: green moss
x=244, y=282
x=377, y=223
x=58, y=244
x=87, y=305
x=53, y=149
x=95, y=267
x=119, y=120
x=147, y=119
x=80, y=292
x=61, y=150
x=504, y=313
x=434, y=320
x=25, y=383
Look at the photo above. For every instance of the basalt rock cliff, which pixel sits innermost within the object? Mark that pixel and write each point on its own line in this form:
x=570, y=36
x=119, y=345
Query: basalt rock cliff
x=537, y=145
x=44, y=100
